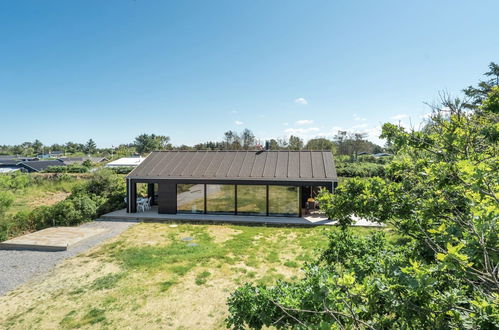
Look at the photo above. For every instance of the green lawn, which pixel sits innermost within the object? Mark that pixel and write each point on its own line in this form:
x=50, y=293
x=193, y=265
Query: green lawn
x=157, y=276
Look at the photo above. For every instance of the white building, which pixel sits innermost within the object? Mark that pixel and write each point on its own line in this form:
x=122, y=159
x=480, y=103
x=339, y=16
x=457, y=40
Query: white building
x=126, y=162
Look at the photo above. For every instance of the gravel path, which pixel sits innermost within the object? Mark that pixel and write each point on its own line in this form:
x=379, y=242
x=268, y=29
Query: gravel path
x=19, y=266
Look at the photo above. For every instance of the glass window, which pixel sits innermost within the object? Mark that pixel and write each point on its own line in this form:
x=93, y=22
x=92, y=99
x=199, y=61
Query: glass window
x=220, y=198
x=251, y=199
x=190, y=198
x=283, y=200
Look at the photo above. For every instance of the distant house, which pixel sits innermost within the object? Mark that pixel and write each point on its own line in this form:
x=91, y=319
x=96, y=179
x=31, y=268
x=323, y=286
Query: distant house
x=126, y=162
x=80, y=160
x=16, y=158
x=53, y=154
x=40, y=165
x=382, y=154
x=9, y=165
x=28, y=166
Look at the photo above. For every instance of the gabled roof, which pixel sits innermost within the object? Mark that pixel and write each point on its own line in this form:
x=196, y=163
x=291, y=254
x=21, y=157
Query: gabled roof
x=41, y=165
x=315, y=166
x=73, y=160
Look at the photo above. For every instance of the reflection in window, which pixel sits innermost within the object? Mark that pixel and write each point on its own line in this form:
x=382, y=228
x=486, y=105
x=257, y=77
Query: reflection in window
x=283, y=200
x=251, y=199
x=190, y=198
x=220, y=198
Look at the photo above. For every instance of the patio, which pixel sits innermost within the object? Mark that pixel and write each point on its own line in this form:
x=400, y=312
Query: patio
x=152, y=215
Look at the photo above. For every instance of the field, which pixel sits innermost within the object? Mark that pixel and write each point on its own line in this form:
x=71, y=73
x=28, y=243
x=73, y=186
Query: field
x=44, y=192
x=158, y=276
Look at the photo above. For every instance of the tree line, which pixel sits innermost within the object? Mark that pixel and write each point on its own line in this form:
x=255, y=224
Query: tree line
x=343, y=143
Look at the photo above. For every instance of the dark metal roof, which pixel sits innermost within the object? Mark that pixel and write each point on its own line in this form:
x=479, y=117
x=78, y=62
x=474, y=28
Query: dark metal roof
x=315, y=166
x=41, y=165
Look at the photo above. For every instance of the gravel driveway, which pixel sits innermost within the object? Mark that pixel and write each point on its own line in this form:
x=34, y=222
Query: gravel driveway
x=19, y=266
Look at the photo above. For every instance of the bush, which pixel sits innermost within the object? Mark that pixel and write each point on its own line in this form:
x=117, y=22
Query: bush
x=102, y=193
x=15, y=181
x=73, y=168
x=360, y=169
x=121, y=169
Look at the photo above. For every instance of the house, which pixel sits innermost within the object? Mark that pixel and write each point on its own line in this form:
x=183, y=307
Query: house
x=53, y=154
x=28, y=166
x=18, y=158
x=9, y=165
x=39, y=165
x=80, y=160
x=276, y=183
x=381, y=154
x=126, y=162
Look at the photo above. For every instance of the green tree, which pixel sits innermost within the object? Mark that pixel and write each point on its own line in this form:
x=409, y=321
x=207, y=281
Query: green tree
x=440, y=199
x=90, y=147
x=38, y=147
x=295, y=143
x=479, y=93
x=248, y=139
x=319, y=144
x=146, y=143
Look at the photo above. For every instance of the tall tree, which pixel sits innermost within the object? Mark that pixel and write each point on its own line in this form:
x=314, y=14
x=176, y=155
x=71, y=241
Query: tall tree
x=295, y=143
x=248, y=139
x=319, y=144
x=480, y=93
x=90, y=147
x=146, y=143
x=37, y=146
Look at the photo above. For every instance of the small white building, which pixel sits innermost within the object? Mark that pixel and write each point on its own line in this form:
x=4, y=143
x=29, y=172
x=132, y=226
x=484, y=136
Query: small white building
x=126, y=162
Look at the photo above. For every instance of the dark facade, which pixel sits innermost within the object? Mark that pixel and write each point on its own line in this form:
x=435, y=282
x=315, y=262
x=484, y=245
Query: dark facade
x=232, y=182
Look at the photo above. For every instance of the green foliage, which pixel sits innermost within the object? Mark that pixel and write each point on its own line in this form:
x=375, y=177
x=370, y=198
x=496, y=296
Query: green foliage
x=121, y=169
x=15, y=181
x=440, y=195
x=90, y=147
x=146, y=143
x=73, y=168
x=102, y=193
x=360, y=169
x=319, y=144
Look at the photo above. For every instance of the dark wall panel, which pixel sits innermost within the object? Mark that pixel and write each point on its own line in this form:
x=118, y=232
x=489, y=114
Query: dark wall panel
x=167, y=198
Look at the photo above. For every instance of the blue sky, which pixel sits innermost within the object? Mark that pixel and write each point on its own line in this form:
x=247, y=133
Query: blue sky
x=110, y=70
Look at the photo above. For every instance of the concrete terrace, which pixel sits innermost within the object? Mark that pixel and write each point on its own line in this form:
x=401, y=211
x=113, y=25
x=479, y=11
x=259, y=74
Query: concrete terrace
x=153, y=216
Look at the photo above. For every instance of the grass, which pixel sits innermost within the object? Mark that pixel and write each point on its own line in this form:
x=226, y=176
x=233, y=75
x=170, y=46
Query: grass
x=149, y=278
x=44, y=192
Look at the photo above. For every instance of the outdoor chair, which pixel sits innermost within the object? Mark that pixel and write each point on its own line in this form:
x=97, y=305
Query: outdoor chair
x=148, y=203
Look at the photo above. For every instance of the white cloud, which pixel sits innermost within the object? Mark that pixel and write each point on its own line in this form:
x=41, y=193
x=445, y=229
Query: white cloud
x=301, y=100
x=304, y=122
x=301, y=131
x=399, y=116
x=356, y=117
x=233, y=111
x=238, y=123
x=285, y=124
x=359, y=126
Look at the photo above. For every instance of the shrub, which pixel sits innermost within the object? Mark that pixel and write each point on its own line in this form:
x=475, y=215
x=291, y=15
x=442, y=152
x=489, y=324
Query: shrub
x=103, y=192
x=121, y=169
x=73, y=168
